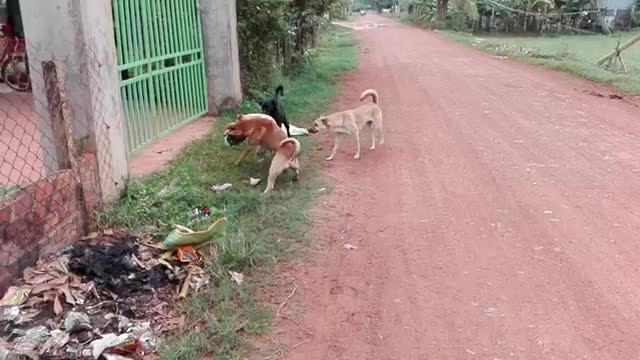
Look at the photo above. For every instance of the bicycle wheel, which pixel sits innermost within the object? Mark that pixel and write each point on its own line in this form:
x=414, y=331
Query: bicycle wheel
x=15, y=72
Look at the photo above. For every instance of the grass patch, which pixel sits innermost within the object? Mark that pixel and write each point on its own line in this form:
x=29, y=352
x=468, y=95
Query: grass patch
x=575, y=54
x=261, y=230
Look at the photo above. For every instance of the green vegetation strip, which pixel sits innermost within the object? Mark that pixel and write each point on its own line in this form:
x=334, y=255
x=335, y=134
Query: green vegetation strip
x=574, y=54
x=261, y=230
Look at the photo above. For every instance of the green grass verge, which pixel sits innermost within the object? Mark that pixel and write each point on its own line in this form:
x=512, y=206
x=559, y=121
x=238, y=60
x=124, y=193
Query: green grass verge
x=261, y=230
x=575, y=54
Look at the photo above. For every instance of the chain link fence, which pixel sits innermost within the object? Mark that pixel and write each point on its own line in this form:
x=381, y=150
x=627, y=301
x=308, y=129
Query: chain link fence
x=56, y=148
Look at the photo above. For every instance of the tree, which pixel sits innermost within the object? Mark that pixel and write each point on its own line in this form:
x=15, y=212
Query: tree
x=442, y=9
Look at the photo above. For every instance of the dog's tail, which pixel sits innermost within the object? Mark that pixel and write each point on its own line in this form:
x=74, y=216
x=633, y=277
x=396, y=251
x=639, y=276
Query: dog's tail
x=372, y=93
x=289, y=147
x=279, y=91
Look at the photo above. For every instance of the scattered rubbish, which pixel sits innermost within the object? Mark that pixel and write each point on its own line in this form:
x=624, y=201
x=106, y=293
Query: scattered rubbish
x=114, y=357
x=237, y=278
x=184, y=236
x=110, y=267
x=295, y=131
x=254, y=181
x=200, y=212
x=350, y=247
x=9, y=313
x=57, y=340
x=108, y=341
x=77, y=321
x=187, y=254
x=15, y=296
x=321, y=189
x=219, y=188
x=106, y=297
x=164, y=150
x=29, y=343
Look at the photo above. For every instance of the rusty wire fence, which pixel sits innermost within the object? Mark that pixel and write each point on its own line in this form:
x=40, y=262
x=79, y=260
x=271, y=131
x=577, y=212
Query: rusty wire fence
x=56, y=149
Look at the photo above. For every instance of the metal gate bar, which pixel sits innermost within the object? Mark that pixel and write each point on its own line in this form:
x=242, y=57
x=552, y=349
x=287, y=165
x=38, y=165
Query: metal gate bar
x=161, y=65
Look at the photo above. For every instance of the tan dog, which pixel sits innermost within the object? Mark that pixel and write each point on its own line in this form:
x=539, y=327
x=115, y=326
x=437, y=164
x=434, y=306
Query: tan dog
x=350, y=122
x=262, y=130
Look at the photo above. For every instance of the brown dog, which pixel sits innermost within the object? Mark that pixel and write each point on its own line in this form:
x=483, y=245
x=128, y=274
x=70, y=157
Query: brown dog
x=262, y=130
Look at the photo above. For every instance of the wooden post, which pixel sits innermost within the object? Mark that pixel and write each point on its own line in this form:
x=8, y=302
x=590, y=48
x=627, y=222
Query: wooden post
x=616, y=54
x=61, y=123
x=59, y=134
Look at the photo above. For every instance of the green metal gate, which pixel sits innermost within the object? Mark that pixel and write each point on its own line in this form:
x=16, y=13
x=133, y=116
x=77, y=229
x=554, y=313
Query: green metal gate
x=161, y=65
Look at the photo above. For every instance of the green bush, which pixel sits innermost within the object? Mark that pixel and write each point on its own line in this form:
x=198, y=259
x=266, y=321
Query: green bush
x=277, y=33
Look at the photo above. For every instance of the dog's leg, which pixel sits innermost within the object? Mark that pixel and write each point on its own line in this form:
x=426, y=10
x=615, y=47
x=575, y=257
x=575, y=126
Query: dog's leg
x=295, y=165
x=335, y=147
x=275, y=170
x=244, y=154
x=373, y=136
x=357, y=135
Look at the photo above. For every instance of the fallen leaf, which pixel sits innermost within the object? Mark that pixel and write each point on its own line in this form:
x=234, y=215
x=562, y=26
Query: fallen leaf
x=59, y=281
x=67, y=294
x=238, y=278
x=57, y=307
x=40, y=288
x=92, y=235
x=60, y=266
x=350, y=247
x=39, y=279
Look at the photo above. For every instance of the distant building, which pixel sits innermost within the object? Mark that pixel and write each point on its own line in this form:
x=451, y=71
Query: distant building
x=618, y=13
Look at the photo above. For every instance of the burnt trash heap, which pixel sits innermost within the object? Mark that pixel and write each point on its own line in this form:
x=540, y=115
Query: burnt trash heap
x=108, y=297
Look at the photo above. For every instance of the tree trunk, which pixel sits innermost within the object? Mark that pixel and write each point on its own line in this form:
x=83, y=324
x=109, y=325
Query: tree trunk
x=442, y=7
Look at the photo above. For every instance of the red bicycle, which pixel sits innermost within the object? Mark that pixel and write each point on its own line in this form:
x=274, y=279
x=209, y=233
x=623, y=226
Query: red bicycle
x=14, y=65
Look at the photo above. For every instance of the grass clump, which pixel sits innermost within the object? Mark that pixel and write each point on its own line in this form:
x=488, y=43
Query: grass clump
x=261, y=230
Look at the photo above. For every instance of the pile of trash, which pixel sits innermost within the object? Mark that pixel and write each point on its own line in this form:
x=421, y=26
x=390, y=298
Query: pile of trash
x=109, y=296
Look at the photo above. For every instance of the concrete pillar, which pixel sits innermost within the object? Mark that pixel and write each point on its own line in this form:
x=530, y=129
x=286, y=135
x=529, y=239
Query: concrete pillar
x=220, y=33
x=80, y=34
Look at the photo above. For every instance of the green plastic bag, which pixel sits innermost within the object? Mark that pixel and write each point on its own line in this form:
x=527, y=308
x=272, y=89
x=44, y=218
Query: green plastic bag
x=182, y=236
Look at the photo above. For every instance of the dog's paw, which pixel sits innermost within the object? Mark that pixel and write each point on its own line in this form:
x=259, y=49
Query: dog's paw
x=356, y=157
x=372, y=147
x=329, y=158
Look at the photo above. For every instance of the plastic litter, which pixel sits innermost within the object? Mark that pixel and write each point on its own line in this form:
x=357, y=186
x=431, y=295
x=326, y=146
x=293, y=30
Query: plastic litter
x=181, y=235
x=15, y=296
x=108, y=341
x=76, y=322
x=9, y=313
x=219, y=188
x=187, y=254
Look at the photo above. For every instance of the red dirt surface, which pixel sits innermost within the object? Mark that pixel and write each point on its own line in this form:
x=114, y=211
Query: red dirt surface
x=499, y=221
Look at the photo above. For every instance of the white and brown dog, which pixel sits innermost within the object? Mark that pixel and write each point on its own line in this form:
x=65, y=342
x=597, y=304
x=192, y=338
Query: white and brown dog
x=350, y=122
x=262, y=130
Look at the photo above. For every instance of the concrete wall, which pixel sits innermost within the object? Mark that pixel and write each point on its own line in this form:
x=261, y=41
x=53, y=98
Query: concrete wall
x=220, y=33
x=80, y=33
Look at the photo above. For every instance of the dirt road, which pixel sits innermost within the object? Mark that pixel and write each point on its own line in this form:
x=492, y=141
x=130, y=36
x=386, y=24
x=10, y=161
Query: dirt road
x=500, y=221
